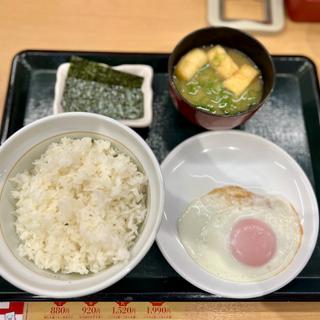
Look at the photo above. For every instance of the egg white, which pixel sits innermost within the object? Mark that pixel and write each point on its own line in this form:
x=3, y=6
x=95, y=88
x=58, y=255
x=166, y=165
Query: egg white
x=204, y=230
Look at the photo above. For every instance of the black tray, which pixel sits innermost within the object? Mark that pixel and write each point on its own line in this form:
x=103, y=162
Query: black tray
x=289, y=118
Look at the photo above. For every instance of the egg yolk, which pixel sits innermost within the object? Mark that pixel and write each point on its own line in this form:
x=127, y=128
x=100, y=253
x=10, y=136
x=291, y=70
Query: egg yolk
x=253, y=242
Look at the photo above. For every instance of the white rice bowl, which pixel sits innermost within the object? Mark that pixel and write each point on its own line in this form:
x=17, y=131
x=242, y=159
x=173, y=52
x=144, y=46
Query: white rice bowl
x=98, y=266
x=80, y=207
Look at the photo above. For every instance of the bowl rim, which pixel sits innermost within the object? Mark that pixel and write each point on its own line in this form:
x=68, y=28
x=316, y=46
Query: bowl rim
x=125, y=268
x=250, y=110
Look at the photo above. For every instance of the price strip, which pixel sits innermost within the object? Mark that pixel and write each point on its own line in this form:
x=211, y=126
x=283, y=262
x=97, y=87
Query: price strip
x=112, y=310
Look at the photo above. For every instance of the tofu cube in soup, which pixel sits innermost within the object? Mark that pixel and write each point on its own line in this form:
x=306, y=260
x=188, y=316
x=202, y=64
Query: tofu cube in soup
x=190, y=63
x=239, y=82
x=221, y=61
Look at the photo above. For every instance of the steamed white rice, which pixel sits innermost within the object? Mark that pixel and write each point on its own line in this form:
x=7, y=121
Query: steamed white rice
x=79, y=209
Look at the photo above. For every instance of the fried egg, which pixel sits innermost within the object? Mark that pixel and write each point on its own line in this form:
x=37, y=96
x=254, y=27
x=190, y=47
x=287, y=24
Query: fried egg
x=240, y=236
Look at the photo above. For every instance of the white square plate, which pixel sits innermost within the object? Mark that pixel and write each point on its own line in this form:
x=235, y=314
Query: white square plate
x=144, y=71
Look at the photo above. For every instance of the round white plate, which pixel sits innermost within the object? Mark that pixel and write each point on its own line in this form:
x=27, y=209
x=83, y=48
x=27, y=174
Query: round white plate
x=214, y=159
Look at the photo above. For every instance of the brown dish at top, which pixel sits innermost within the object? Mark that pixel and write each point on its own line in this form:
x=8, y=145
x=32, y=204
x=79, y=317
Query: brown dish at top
x=198, y=56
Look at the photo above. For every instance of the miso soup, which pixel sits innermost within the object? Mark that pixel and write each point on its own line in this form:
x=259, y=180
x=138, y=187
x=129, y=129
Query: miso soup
x=221, y=80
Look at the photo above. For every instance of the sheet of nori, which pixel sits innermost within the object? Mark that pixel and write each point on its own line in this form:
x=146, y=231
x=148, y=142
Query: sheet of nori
x=93, y=71
x=117, y=102
x=97, y=88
